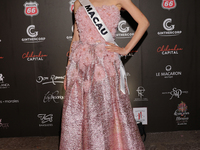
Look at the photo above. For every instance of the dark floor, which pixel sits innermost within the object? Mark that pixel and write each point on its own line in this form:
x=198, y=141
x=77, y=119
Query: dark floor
x=179, y=140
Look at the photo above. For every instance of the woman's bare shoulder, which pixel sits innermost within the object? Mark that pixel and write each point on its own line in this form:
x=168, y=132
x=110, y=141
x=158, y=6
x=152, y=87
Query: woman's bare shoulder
x=127, y=5
x=77, y=4
x=120, y=3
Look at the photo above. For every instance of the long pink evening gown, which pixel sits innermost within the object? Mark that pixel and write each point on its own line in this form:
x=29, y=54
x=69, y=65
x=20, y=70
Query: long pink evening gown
x=96, y=114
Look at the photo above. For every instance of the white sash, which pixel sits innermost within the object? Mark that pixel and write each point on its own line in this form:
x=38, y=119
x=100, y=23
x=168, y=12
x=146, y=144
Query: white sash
x=105, y=33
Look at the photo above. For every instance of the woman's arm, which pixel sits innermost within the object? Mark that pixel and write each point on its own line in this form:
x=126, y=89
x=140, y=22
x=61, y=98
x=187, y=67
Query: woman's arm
x=143, y=24
x=74, y=38
x=75, y=35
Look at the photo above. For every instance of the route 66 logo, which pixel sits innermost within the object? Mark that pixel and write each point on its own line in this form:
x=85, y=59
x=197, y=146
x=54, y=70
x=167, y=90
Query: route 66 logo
x=31, y=9
x=71, y=8
x=168, y=4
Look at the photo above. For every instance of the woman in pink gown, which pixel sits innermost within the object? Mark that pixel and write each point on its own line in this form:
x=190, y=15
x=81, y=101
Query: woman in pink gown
x=96, y=114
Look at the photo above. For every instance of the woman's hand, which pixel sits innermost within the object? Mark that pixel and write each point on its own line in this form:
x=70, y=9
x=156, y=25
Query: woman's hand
x=114, y=48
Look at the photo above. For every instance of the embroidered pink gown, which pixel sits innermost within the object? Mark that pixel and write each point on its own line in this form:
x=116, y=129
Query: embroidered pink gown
x=96, y=114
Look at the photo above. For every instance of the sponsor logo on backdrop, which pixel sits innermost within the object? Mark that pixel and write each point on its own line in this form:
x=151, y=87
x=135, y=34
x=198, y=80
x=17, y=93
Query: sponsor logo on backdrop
x=182, y=114
x=169, y=28
x=31, y=9
x=166, y=50
x=8, y=101
x=140, y=114
x=168, y=4
x=71, y=3
x=32, y=33
x=168, y=73
x=46, y=120
x=3, y=85
x=53, y=79
x=175, y=93
x=3, y=125
x=1, y=78
x=140, y=90
x=33, y=57
x=124, y=30
x=54, y=97
x=69, y=37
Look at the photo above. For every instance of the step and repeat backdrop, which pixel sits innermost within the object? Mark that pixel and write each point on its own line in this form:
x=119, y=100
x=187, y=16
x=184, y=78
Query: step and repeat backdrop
x=163, y=69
